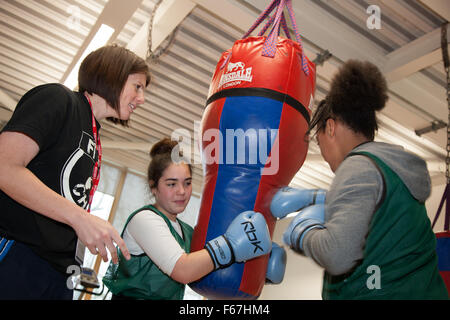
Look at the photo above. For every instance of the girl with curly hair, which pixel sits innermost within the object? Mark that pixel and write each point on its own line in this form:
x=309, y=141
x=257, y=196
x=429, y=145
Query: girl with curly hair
x=372, y=235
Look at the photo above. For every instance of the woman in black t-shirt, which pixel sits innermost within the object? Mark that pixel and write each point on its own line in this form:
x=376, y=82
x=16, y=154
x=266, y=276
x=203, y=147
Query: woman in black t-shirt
x=50, y=156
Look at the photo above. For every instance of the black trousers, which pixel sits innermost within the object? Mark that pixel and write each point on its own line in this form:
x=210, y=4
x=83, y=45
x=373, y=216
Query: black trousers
x=26, y=276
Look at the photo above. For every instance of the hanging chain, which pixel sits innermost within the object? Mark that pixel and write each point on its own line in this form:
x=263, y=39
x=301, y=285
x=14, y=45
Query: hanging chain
x=150, y=28
x=445, y=59
x=153, y=56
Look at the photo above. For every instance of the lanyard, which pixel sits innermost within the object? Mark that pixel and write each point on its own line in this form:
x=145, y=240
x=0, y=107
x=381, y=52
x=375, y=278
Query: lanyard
x=98, y=147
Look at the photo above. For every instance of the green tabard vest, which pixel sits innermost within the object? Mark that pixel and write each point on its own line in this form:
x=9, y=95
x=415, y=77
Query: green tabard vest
x=400, y=260
x=139, y=277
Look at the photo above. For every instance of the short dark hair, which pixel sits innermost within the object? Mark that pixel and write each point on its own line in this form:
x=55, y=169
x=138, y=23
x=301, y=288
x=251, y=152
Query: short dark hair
x=161, y=155
x=356, y=92
x=105, y=72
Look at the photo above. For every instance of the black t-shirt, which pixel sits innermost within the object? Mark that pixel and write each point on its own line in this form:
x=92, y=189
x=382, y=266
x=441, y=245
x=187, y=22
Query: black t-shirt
x=60, y=121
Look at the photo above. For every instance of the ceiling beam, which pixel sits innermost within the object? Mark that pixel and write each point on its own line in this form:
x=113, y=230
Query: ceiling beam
x=414, y=56
x=115, y=14
x=168, y=16
x=228, y=11
x=440, y=7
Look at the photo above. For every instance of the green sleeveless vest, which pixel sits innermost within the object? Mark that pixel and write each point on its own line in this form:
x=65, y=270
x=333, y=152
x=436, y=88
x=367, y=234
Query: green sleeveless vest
x=139, y=277
x=400, y=260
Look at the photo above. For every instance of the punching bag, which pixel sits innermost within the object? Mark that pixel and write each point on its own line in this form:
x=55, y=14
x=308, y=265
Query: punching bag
x=252, y=141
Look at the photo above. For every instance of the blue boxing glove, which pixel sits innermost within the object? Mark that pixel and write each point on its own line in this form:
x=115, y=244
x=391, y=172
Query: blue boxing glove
x=276, y=265
x=311, y=217
x=288, y=200
x=247, y=237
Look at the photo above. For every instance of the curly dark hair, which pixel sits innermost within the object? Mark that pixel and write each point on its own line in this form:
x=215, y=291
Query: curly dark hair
x=357, y=91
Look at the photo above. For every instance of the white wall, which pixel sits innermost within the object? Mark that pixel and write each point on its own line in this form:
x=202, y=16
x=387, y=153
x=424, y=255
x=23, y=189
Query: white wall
x=303, y=277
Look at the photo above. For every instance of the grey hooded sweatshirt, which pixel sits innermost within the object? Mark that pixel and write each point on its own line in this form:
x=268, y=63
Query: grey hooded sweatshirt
x=352, y=200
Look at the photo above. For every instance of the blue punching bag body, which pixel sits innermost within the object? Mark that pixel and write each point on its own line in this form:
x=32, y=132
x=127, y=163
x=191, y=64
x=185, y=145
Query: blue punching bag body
x=253, y=142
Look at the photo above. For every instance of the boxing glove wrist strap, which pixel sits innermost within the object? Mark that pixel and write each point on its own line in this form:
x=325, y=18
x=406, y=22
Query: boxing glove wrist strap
x=221, y=252
x=300, y=231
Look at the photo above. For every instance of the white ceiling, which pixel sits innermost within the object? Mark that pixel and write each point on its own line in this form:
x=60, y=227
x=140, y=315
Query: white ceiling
x=41, y=40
